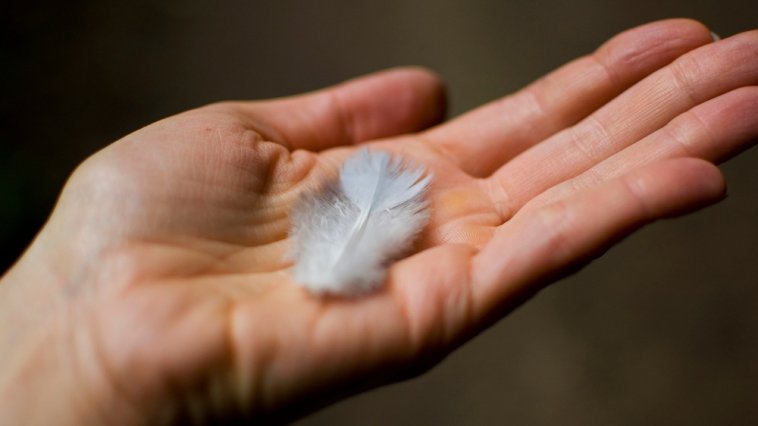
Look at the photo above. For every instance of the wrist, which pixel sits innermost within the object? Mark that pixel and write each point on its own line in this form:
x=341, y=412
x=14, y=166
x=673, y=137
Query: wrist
x=48, y=369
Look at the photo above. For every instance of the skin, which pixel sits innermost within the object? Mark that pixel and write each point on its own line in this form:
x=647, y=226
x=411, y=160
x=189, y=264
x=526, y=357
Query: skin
x=158, y=292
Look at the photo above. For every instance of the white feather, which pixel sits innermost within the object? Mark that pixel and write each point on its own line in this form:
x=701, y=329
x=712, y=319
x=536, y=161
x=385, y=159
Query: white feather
x=346, y=234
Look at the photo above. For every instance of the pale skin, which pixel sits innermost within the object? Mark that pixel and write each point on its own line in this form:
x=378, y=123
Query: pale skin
x=159, y=291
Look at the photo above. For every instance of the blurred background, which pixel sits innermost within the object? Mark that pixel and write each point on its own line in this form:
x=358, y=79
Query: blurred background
x=661, y=330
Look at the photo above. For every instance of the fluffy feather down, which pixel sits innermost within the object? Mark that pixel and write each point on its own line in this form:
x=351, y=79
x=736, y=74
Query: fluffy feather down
x=346, y=233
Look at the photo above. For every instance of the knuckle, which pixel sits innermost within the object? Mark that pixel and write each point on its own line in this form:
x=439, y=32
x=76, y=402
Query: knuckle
x=747, y=98
x=500, y=195
x=555, y=220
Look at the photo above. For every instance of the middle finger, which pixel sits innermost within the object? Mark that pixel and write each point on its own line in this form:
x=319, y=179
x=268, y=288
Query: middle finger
x=696, y=77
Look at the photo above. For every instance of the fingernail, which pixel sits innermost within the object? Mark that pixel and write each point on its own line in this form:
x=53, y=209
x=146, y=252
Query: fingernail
x=715, y=36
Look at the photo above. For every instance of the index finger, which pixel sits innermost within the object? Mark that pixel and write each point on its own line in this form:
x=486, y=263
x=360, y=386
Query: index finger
x=487, y=137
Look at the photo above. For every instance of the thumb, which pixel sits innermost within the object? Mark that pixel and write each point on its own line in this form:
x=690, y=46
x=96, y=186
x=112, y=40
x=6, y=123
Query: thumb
x=382, y=104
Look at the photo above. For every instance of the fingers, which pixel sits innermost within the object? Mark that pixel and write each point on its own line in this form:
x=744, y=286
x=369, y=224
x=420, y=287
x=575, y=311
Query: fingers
x=379, y=105
x=546, y=243
x=696, y=77
x=485, y=138
x=714, y=131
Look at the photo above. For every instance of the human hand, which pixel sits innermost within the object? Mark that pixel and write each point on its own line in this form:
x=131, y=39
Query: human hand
x=159, y=290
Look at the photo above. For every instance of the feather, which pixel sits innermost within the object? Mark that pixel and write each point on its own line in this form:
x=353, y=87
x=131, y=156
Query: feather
x=348, y=232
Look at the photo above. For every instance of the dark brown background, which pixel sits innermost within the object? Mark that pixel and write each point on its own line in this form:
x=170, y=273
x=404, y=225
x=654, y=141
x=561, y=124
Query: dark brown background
x=662, y=330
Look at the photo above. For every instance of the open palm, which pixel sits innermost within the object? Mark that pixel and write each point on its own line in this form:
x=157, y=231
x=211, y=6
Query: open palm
x=173, y=240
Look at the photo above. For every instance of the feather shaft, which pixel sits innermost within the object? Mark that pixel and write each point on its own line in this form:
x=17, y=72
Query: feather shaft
x=360, y=224
x=347, y=233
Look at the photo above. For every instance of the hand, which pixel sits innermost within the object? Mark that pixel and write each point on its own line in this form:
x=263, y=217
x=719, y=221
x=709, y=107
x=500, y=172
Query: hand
x=159, y=291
